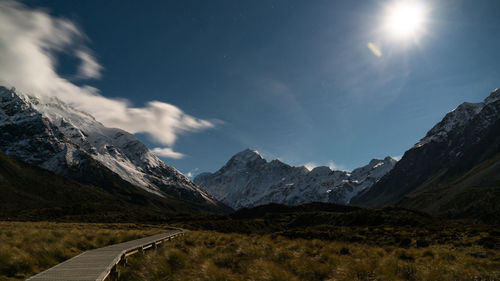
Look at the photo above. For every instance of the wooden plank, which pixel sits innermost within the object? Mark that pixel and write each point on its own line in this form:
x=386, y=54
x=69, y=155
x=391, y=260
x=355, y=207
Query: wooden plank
x=131, y=253
x=96, y=265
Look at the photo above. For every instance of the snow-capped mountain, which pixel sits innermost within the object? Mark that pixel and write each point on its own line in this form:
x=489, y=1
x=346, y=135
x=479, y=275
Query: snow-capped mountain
x=446, y=162
x=459, y=118
x=249, y=180
x=55, y=136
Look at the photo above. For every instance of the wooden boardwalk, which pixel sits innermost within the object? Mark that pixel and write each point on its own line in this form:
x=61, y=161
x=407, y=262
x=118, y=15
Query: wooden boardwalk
x=100, y=264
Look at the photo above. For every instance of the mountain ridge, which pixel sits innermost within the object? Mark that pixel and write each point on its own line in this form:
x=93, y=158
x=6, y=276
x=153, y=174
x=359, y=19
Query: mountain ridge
x=55, y=136
x=248, y=180
x=444, y=166
x=28, y=192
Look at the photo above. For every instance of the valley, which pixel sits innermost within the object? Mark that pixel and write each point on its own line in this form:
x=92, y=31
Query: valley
x=68, y=184
x=237, y=140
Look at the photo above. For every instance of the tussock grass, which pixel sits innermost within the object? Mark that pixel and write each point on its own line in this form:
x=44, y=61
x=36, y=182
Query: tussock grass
x=30, y=247
x=27, y=248
x=207, y=255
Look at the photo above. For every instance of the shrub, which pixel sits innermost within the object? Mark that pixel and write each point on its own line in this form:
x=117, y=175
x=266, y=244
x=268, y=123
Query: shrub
x=428, y=253
x=344, y=251
x=176, y=259
x=284, y=256
x=404, y=255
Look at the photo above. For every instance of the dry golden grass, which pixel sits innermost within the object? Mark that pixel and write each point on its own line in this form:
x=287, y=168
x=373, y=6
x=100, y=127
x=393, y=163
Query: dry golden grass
x=204, y=255
x=27, y=248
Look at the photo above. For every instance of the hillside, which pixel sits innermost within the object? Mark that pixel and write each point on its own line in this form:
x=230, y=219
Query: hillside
x=453, y=171
x=28, y=192
x=53, y=135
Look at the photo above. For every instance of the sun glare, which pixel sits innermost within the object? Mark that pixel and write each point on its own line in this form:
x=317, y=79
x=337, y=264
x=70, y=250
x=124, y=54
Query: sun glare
x=405, y=19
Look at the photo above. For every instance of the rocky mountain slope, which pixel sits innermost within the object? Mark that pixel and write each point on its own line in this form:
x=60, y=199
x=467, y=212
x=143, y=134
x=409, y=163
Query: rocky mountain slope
x=453, y=171
x=55, y=136
x=248, y=180
x=28, y=192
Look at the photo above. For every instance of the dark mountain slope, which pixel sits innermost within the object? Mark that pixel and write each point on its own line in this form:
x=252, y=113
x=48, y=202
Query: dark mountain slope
x=30, y=192
x=473, y=195
x=457, y=158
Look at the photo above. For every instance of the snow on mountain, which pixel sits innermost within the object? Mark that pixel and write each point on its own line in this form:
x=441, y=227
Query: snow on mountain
x=465, y=137
x=459, y=117
x=248, y=180
x=53, y=135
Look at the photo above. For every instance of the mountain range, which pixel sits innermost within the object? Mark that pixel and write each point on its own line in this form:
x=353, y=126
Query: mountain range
x=248, y=180
x=453, y=172
x=55, y=136
x=57, y=161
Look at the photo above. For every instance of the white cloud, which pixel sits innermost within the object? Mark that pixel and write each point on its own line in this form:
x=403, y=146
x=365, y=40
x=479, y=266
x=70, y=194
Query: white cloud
x=336, y=166
x=332, y=166
x=89, y=68
x=167, y=152
x=29, y=42
x=190, y=174
x=310, y=165
x=397, y=158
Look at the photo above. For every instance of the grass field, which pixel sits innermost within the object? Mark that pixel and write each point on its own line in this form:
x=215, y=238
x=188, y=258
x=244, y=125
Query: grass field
x=205, y=255
x=30, y=247
x=27, y=248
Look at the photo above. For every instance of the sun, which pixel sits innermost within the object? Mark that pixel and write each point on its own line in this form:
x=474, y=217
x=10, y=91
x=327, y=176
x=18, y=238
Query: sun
x=405, y=19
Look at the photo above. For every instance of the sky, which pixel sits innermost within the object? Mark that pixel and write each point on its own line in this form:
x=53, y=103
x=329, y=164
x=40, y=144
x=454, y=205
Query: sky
x=307, y=82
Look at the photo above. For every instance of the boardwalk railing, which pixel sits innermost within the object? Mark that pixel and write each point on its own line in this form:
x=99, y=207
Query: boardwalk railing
x=101, y=264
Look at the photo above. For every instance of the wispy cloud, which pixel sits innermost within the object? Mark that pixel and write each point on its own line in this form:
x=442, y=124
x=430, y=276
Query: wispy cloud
x=167, y=152
x=29, y=42
x=336, y=166
x=89, y=67
x=190, y=174
x=332, y=165
x=310, y=165
x=397, y=158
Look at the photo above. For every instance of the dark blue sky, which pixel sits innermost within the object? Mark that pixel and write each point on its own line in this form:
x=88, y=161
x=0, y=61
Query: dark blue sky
x=292, y=79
